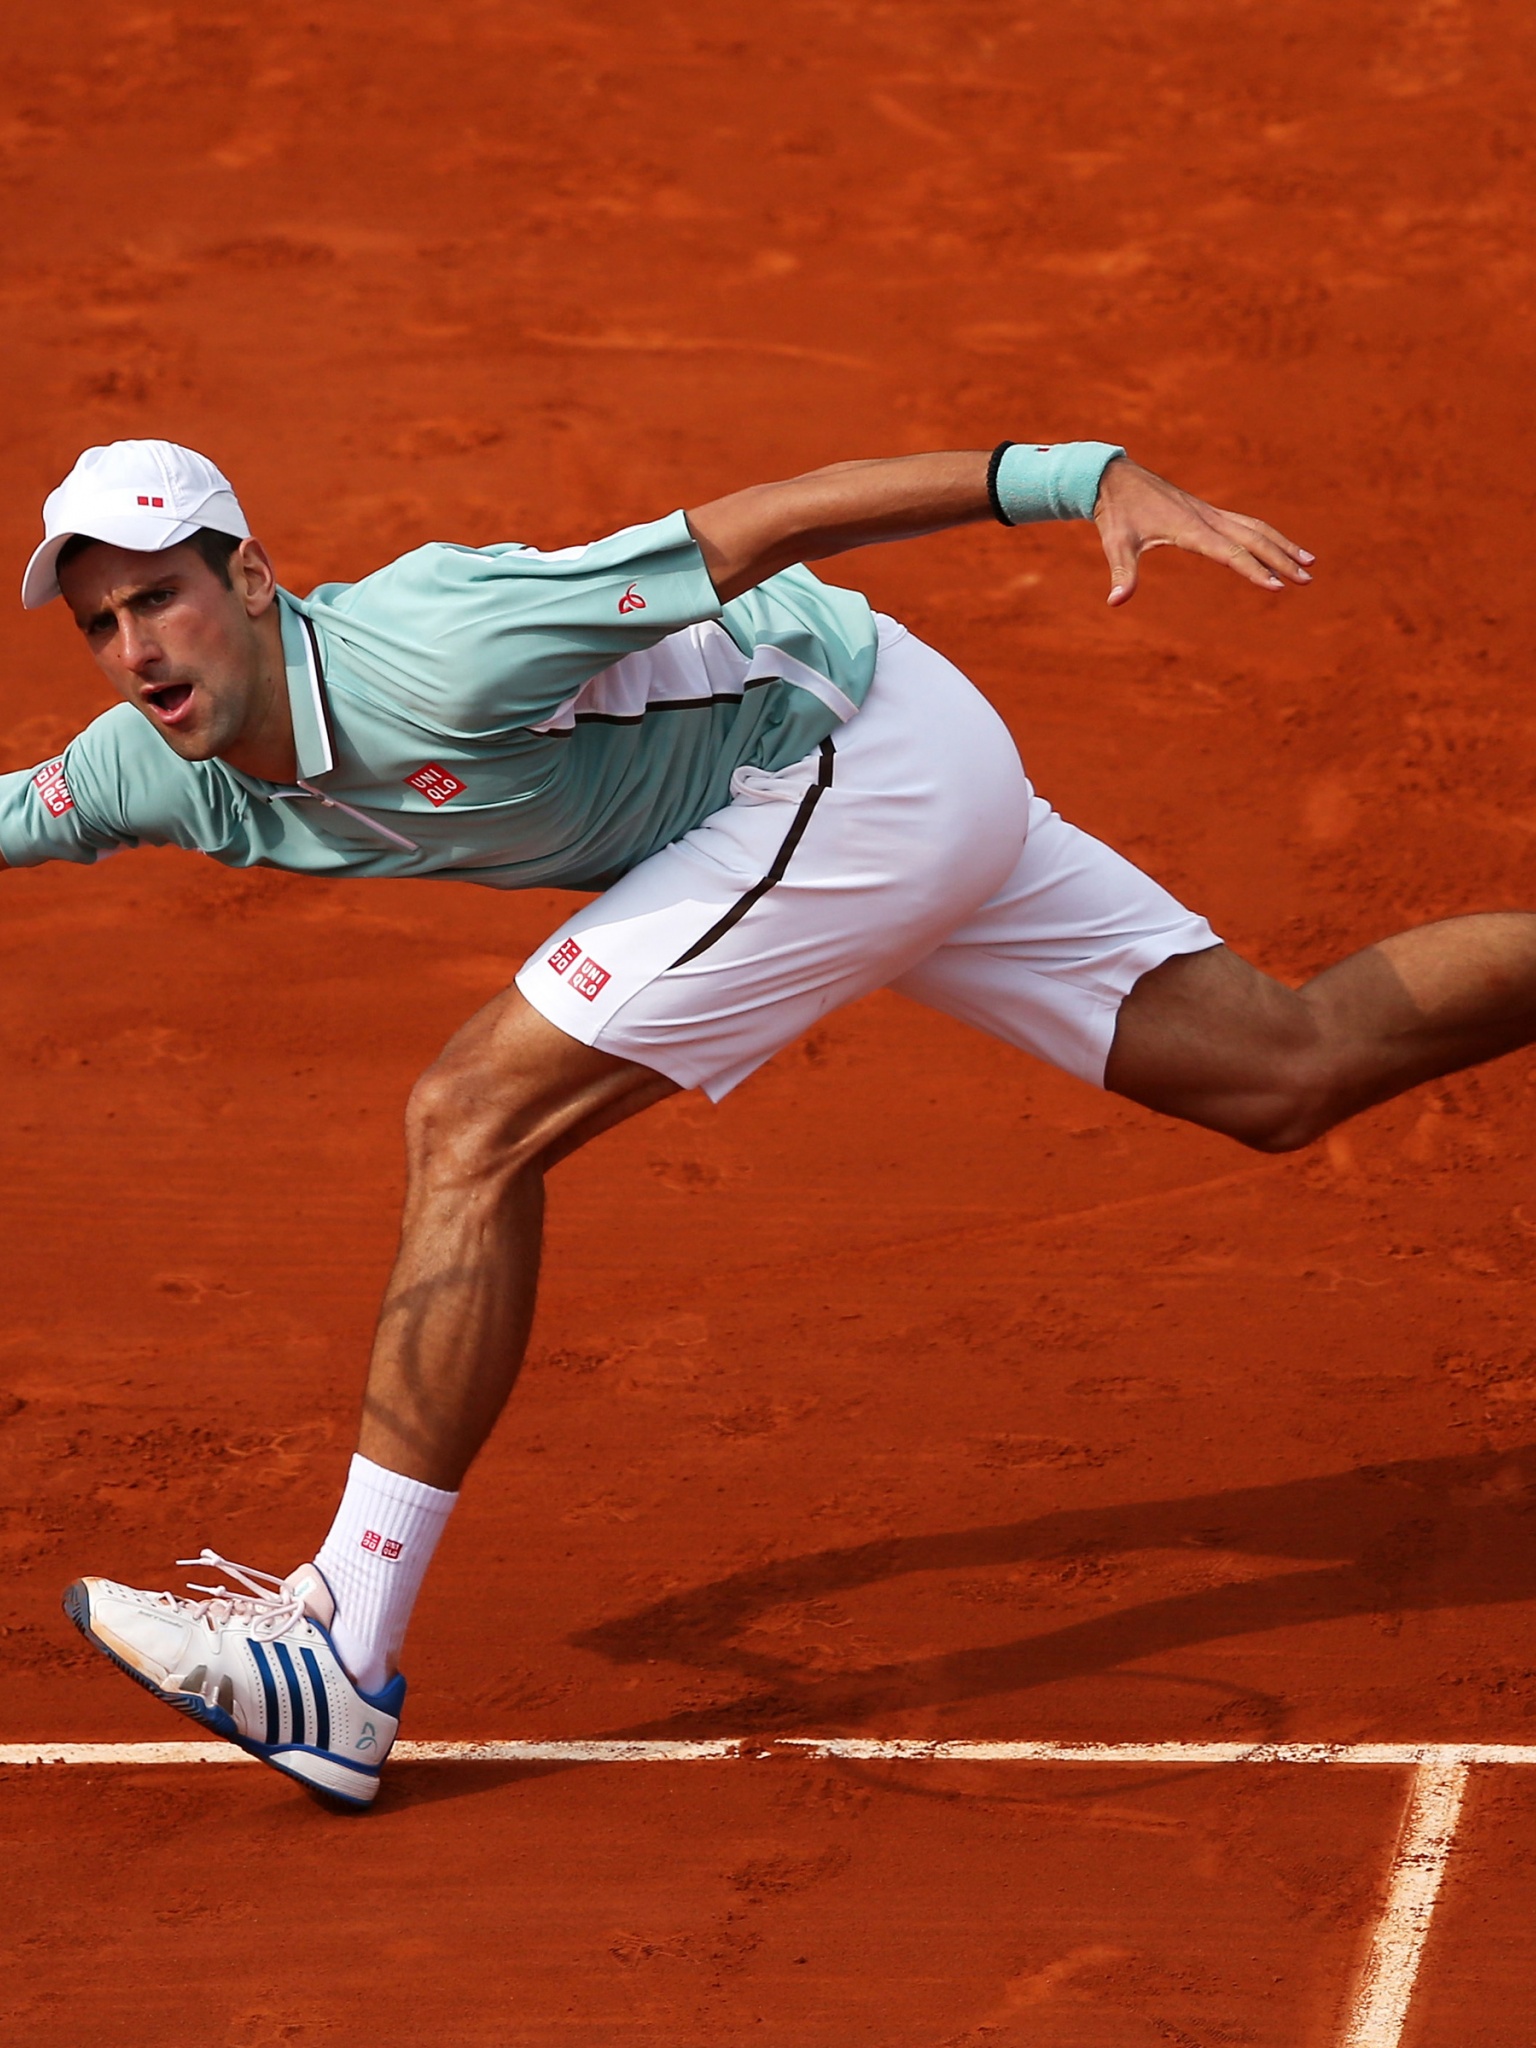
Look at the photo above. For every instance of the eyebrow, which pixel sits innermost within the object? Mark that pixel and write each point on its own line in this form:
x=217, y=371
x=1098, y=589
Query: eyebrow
x=104, y=617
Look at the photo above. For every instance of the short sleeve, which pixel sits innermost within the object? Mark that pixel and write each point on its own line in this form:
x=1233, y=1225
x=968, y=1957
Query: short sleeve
x=117, y=785
x=488, y=640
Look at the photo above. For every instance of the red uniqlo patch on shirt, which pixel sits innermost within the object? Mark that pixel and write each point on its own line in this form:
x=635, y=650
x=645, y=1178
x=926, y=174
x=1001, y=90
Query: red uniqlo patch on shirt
x=370, y=1539
x=51, y=786
x=565, y=956
x=590, y=980
x=392, y=1547
x=436, y=784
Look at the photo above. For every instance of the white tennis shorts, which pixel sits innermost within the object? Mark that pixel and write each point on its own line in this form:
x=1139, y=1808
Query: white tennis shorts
x=908, y=852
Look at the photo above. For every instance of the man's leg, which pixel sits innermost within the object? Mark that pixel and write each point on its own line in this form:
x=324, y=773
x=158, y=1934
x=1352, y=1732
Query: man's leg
x=508, y=1097
x=300, y=1672
x=1208, y=1038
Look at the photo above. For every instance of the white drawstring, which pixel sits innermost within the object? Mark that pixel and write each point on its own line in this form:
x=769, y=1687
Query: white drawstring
x=334, y=803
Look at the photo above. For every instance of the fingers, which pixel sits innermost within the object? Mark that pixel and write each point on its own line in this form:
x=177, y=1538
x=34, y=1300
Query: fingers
x=1123, y=547
x=1253, y=550
x=1265, y=541
x=1145, y=512
x=1270, y=533
x=1248, y=563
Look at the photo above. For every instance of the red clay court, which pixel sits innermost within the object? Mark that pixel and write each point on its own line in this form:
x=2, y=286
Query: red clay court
x=917, y=1396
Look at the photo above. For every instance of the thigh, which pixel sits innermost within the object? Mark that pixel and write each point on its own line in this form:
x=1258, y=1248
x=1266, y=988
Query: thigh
x=814, y=886
x=1047, y=961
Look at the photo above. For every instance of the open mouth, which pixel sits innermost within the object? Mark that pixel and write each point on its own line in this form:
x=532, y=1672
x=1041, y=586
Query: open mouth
x=170, y=701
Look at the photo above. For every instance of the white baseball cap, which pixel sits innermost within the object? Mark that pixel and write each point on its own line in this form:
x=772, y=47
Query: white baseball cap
x=136, y=494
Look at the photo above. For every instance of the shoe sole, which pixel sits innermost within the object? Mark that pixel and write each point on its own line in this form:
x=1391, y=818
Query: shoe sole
x=77, y=1605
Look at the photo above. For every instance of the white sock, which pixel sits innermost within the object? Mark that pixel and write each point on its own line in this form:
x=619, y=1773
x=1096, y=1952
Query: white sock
x=374, y=1561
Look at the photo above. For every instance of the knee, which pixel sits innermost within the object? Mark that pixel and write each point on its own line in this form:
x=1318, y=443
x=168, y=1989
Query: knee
x=1288, y=1107
x=1208, y=1038
x=463, y=1124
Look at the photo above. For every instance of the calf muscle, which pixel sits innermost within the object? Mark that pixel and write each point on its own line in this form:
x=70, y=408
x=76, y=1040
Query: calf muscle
x=509, y=1097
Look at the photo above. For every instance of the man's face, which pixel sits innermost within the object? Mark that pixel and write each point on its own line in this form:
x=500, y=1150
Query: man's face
x=185, y=650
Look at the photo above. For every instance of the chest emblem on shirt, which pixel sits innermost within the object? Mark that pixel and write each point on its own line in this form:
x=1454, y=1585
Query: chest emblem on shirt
x=631, y=601
x=54, y=790
x=436, y=784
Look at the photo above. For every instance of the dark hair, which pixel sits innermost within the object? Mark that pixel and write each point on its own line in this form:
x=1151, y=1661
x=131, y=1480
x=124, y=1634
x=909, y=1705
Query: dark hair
x=214, y=547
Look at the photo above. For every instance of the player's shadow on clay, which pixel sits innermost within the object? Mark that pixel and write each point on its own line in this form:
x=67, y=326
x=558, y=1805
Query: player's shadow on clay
x=1387, y=1539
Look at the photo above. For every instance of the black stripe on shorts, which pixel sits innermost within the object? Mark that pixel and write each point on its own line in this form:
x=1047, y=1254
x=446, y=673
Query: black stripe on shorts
x=781, y=860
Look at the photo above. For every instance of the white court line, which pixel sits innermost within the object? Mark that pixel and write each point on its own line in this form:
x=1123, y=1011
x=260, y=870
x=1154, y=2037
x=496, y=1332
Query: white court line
x=861, y=1749
x=1423, y=1848
x=28, y=1753
x=1409, y=1754
x=1380, y=2006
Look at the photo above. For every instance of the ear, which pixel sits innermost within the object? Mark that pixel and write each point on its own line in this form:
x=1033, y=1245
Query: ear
x=253, y=577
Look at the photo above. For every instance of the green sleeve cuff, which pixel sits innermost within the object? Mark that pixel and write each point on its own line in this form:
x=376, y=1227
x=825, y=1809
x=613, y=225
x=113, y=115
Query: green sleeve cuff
x=1059, y=482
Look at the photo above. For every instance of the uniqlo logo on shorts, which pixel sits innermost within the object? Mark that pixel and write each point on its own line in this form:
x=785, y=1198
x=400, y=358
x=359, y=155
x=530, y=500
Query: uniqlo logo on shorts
x=371, y=1539
x=436, y=784
x=590, y=980
x=391, y=1548
x=564, y=956
x=51, y=786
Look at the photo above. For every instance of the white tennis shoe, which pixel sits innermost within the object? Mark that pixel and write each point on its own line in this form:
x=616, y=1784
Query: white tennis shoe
x=257, y=1667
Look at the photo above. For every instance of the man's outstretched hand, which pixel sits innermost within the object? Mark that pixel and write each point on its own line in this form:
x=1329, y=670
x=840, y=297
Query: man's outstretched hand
x=1137, y=511
x=753, y=534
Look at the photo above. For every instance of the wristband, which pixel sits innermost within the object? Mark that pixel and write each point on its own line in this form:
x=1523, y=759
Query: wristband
x=1028, y=482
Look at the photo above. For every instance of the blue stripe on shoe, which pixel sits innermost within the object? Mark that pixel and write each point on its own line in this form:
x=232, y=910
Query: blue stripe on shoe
x=268, y=1690
x=322, y=1704
x=295, y=1695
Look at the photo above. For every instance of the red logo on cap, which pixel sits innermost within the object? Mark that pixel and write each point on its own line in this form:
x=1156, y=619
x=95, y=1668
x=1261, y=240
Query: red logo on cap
x=152, y=501
x=51, y=786
x=436, y=784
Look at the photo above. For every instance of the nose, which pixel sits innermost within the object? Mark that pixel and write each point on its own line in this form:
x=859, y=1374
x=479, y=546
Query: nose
x=137, y=648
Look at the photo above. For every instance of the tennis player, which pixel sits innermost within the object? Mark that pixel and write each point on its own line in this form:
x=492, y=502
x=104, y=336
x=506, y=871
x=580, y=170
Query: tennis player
x=772, y=799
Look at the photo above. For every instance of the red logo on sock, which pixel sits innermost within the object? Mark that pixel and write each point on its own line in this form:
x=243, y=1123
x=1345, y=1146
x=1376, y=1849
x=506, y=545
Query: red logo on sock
x=370, y=1539
x=392, y=1549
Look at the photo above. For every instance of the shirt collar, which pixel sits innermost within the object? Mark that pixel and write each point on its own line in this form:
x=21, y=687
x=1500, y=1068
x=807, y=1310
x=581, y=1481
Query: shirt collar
x=306, y=691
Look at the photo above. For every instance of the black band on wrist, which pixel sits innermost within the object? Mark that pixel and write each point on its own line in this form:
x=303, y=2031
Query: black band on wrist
x=992, y=468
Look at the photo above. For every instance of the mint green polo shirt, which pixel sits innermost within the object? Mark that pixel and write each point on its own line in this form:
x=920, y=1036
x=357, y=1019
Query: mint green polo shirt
x=497, y=714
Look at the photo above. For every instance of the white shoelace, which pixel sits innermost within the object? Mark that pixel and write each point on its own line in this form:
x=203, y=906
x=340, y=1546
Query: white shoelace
x=267, y=1612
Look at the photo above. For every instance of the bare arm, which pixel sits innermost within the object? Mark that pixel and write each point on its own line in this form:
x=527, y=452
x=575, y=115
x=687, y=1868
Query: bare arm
x=754, y=533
